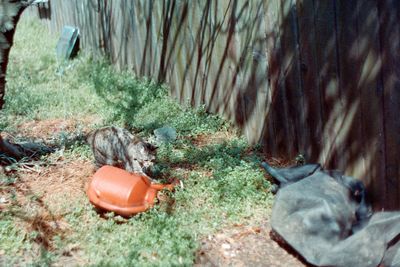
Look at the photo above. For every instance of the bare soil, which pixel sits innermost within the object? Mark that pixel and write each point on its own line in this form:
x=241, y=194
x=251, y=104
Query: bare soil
x=245, y=246
x=48, y=128
x=205, y=139
x=51, y=185
x=40, y=199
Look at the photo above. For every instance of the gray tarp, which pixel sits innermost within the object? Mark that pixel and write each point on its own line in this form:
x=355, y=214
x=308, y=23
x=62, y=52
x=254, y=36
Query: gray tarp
x=323, y=216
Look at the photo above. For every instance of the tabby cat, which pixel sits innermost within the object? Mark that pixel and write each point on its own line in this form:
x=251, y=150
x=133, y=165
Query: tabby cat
x=118, y=147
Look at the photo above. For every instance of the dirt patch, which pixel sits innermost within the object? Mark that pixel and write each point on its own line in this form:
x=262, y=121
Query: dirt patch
x=244, y=246
x=54, y=127
x=50, y=186
x=203, y=140
x=41, y=197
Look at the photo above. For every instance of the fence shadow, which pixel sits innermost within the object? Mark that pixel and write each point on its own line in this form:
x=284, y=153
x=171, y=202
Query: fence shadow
x=331, y=90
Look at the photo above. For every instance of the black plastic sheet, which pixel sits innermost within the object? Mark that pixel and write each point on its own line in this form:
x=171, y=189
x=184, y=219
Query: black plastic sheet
x=324, y=217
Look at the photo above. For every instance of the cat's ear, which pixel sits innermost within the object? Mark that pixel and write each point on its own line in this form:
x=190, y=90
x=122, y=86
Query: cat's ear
x=151, y=147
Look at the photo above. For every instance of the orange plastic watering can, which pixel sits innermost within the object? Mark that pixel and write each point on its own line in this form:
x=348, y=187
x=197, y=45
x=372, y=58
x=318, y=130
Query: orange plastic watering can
x=124, y=193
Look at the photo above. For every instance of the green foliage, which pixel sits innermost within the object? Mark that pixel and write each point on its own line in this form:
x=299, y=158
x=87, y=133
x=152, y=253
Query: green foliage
x=45, y=93
x=234, y=173
x=187, y=121
x=122, y=93
x=154, y=239
x=11, y=239
x=39, y=87
x=145, y=105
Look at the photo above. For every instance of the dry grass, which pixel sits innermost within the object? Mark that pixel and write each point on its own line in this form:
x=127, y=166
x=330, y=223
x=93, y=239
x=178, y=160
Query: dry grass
x=37, y=129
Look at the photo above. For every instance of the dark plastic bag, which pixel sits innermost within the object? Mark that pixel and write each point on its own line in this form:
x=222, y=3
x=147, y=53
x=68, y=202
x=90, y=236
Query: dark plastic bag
x=324, y=217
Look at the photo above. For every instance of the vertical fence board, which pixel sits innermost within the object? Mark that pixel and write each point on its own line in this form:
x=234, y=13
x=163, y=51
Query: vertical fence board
x=389, y=12
x=327, y=77
x=309, y=74
x=269, y=131
x=350, y=72
x=283, y=125
x=251, y=68
x=371, y=97
x=297, y=95
x=291, y=85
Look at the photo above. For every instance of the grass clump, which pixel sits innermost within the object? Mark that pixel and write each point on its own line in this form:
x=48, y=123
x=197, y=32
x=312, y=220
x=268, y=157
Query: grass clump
x=11, y=239
x=39, y=87
x=187, y=121
x=144, y=105
x=222, y=183
x=122, y=93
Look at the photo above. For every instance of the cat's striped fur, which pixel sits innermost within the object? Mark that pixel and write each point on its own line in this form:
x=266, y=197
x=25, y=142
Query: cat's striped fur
x=118, y=147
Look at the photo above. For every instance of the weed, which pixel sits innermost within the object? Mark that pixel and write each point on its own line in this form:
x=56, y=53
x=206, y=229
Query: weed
x=12, y=240
x=187, y=121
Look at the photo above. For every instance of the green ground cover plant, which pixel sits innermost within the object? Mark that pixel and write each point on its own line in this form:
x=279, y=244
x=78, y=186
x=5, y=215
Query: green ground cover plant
x=222, y=183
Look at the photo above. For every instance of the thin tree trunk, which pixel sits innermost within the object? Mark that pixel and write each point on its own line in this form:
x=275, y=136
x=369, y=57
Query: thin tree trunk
x=7, y=7
x=11, y=11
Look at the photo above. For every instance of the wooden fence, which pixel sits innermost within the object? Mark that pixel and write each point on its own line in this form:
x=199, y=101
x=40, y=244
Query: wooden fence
x=320, y=78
